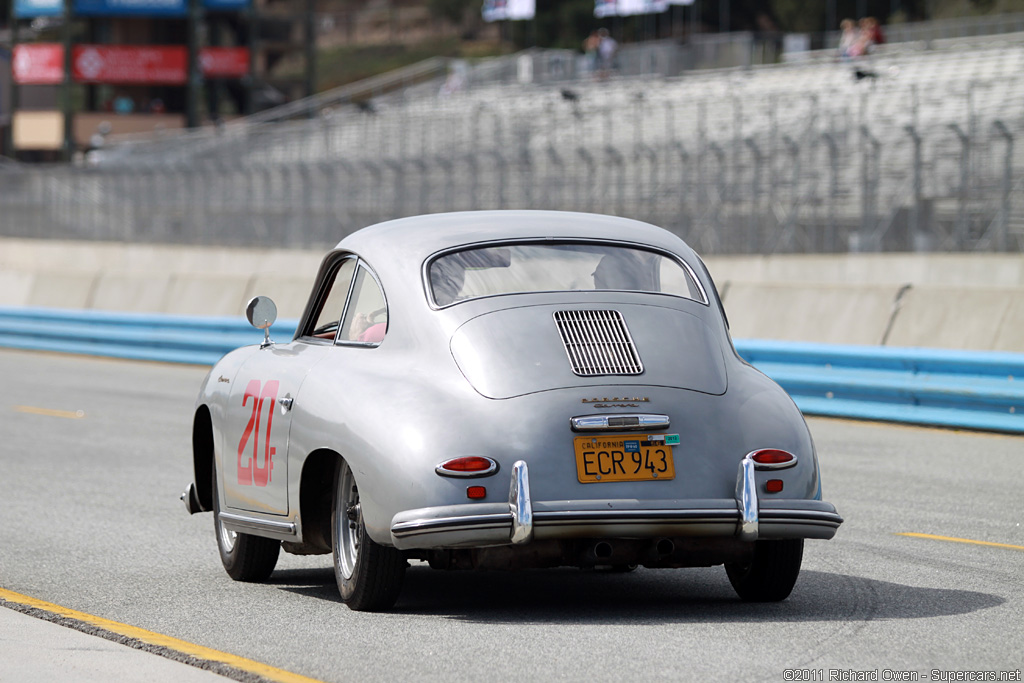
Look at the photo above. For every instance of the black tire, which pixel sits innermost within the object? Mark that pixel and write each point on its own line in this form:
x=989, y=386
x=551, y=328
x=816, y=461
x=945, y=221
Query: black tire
x=369, y=575
x=245, y=557
x=771, y=573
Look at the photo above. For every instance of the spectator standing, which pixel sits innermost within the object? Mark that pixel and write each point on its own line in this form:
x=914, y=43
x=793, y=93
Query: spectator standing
x=869, y=36
x=871, y=26
x=606, y=50
x=847, y=39
x=590, y=49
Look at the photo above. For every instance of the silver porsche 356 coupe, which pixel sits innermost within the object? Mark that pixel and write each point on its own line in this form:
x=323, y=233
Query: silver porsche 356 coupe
x=507, y=389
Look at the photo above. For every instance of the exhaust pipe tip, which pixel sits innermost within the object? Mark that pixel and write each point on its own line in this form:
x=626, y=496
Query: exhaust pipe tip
x=665, y=547
x=602, y=550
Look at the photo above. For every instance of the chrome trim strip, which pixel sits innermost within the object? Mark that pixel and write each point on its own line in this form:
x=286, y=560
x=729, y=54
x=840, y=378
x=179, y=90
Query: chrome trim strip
x=519, y=504
x=556, y=518
x=468, y=475
x=427, y=526
x=503, y=522
x=621, y=423
x=801, y=517
x=257, y=524
x=768, y=524
x=746, y=498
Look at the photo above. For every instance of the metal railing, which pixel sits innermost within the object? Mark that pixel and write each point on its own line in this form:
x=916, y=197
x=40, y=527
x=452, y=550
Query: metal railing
x=831, y=192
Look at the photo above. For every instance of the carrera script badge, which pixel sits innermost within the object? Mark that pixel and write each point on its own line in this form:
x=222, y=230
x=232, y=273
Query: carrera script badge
x=616, y=402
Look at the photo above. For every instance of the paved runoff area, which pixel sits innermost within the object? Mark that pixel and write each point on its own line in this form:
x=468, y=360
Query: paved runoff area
x=34, y=650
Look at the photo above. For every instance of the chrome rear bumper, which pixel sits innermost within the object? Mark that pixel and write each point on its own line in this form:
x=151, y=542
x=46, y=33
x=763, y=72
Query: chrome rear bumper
x=522, y=520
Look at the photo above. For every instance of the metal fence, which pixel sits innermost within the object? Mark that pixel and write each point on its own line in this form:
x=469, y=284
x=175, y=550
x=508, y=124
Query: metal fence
x=831, y=192
x=921, y=154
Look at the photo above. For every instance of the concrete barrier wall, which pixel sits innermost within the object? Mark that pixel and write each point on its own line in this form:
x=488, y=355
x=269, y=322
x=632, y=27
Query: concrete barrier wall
x=952, y=301
x=975, y=318
x=946, y=301
x=985, y=319
x=826, y=313
x=951, y=270
x=153, y=278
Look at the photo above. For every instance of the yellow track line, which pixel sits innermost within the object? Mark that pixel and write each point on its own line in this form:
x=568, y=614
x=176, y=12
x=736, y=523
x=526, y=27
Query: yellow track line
x=70, y=414
x=160, y=640
x=963, y=540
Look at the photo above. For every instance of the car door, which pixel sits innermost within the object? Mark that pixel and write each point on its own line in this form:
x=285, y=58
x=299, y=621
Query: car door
x=261, y=398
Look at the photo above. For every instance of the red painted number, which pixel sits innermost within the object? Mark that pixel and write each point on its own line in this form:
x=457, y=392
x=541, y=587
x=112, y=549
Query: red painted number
x=250, y=472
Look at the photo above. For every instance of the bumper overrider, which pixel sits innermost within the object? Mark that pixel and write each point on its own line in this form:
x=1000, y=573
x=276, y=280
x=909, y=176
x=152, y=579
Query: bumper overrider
x=521, y=520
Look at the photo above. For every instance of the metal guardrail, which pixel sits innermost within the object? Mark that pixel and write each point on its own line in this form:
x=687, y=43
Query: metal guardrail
x=136, y=336
x=971, y=389
x=975, y=390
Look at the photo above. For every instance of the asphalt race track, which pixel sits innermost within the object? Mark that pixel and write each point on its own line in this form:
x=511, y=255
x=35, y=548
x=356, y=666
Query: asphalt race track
x=94, y=453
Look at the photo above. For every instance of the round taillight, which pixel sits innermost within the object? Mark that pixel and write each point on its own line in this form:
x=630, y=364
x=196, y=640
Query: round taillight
x=772, y=458
x=467, y=466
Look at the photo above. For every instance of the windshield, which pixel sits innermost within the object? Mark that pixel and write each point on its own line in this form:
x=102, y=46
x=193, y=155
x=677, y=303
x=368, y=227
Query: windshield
x=547, y=267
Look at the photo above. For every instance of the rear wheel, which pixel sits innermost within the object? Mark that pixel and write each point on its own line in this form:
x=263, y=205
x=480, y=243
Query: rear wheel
x=369, y=575
x=771, y=573
x=244, y=556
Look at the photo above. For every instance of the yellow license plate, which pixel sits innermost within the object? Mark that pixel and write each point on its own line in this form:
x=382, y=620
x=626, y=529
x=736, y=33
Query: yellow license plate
x=609, y=458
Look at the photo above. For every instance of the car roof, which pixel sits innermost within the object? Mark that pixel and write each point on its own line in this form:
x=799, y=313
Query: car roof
x=413, y=240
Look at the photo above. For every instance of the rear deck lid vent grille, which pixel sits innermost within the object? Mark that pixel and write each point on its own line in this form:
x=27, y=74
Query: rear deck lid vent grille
x=598, y=343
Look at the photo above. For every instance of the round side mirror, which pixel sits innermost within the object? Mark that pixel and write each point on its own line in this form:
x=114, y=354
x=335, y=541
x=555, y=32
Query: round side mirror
x=261, y=312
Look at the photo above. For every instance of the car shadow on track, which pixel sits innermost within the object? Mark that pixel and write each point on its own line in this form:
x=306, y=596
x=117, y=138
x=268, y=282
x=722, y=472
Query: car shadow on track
x=572, y=596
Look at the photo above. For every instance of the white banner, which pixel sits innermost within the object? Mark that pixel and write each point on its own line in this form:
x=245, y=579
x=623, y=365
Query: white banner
x=628, y=8
x=513, y=10
x=605, y=8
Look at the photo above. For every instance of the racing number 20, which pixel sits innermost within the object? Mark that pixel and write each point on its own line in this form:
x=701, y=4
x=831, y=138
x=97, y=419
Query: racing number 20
x=250, y=472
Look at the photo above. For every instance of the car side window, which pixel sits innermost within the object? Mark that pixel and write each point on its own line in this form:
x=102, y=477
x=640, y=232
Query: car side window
x=327, y=320
x=366, y=318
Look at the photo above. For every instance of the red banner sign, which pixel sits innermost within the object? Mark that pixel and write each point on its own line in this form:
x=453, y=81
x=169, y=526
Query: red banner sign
x=38, y=63
x=130, y=64
x=224, y=62
x=43, y=64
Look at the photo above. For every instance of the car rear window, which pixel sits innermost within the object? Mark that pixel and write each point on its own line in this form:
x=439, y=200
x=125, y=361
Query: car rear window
x=555, y=267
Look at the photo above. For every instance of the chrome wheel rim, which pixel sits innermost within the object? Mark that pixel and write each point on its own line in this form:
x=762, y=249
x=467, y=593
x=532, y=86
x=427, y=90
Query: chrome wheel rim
x=227, y=536
x=348, y=522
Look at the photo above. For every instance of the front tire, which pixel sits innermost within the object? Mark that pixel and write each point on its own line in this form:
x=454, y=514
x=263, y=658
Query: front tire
x=771, y=573
x=245, y=557
x=369, y=575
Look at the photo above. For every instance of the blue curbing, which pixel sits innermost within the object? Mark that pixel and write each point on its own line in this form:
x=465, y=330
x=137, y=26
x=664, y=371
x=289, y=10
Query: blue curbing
x=967, y=389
